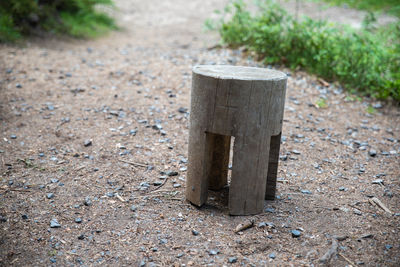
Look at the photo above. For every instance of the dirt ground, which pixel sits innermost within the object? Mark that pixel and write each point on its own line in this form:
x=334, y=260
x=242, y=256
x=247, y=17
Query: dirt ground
x=92, y=129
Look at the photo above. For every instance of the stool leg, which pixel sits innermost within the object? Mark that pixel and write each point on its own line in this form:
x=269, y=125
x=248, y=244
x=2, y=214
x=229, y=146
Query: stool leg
x=218, y=159
x=273, y=167
x=196, y=180
x=249, y=172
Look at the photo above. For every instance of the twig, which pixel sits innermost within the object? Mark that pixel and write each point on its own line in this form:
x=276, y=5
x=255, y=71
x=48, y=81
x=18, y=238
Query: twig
x=134, y=163
x=376, y=201
x=160, y=191
x=15, y=189
x=331, y=251
x=80, y=168
x=346, y=259
x=119, y=197
x=161, y=185
x=244, y=226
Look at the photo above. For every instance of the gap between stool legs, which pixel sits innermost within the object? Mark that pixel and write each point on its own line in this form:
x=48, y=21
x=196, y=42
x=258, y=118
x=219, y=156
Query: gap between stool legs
x=217, y=160
x=270, y=189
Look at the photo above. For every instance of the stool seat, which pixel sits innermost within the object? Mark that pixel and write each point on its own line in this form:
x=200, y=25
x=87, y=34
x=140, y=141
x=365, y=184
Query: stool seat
x=246, y=103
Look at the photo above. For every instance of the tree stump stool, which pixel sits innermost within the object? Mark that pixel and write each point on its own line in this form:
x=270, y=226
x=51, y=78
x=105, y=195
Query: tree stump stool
x=246, y=103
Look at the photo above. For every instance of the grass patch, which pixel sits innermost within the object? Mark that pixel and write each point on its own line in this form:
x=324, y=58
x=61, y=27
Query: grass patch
x=371, y=110
x=78, y=18
x=389, y=6
x=366, y=61
x=321, y=103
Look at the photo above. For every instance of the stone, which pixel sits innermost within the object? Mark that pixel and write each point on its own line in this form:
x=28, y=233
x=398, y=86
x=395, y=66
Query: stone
x=54, y=223
x=50, y=195
x=195, y=233
x=78, y=220
x=295, y=233
x=372, y=152
x=270, y=210
x=232, y=259
x=357, y=212
x=272, y=255
x=183, y=110
x=87, y=202
x=133, y=208
x=110, y=194
x=87, y=142
x=213, y=252
x=172, y=173
x=306, y=192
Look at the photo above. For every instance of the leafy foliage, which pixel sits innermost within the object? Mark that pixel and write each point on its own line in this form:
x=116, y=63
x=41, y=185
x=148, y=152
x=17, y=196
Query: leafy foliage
x=389, y=6
x=367, y=61
x=79, y=18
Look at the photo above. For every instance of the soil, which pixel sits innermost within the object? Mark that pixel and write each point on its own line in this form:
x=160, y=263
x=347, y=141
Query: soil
x=92, y=129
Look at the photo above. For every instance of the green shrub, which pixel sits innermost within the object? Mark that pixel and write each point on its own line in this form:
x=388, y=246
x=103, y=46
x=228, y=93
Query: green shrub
x=390, y=6
x=79, y=18
x=367, y=61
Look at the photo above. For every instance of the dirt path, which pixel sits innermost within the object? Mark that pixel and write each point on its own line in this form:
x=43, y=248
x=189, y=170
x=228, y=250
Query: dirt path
x=77, y=116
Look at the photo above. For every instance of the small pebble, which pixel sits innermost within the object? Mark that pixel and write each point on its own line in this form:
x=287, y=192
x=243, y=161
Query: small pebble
x=296, y=152
x=87, y=202
x=357, y=212
x=54, y=224
x=133, y=208
x=372, y=153
x=213, y=252
x=177, y=185
x=387, y=246
x=272, y=255
x=296, y=233
x=78, y=220
x=182, y=110
x=195, y=233
x=270, y=210
x=50, y=195
x=110, y=194
x=172, y=173
x=232, y=259
x=13, y=136
x=87, y=143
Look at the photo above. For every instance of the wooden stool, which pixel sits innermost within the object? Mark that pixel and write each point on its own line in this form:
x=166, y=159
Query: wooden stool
x=246, y=103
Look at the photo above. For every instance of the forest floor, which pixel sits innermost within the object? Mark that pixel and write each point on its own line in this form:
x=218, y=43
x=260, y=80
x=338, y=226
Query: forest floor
x=91, y=130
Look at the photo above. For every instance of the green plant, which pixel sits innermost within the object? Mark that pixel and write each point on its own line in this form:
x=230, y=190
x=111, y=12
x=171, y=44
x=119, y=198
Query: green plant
x=366, y=61
x=321, y=103
x=371, y=110
x=390, y=6
x=79, y=18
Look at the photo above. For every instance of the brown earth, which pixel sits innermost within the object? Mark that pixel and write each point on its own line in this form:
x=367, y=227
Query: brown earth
x=118, y=92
